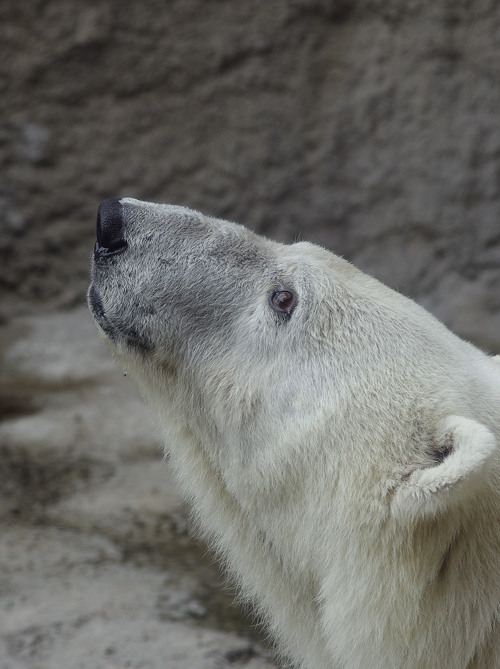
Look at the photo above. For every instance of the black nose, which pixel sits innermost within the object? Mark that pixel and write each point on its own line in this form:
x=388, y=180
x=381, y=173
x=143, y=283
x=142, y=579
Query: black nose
x=110, y=239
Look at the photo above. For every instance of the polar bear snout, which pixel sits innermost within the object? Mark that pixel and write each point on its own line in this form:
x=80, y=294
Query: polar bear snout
x=110, y=238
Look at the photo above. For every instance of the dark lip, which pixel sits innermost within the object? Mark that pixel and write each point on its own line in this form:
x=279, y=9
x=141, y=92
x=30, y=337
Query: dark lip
x=125, y=335
x=98, y=312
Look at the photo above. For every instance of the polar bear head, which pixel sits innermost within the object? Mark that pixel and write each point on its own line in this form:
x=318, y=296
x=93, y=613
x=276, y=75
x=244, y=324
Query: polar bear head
x=268, y=352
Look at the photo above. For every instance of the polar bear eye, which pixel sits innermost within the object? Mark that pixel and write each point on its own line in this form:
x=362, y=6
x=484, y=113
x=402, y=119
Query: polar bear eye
x=283, y=301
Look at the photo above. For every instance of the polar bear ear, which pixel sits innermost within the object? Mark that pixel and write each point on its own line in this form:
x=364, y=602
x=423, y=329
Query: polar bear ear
x=463, y=448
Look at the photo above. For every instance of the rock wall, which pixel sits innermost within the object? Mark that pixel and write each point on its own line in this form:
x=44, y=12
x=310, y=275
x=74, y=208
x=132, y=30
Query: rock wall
x=369, y=126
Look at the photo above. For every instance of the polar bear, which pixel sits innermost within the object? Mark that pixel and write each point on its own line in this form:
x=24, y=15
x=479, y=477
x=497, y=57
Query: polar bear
x=337, y=443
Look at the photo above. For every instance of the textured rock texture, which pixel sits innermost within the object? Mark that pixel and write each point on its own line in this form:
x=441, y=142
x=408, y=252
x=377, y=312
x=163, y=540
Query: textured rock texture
x=369, y=126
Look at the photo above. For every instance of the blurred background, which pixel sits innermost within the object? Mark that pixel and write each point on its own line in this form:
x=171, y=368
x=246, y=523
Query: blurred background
x=371, y=127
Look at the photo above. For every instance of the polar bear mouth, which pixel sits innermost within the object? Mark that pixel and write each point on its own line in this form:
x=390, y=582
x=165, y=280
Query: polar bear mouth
x=98, y=312
x=126, y=335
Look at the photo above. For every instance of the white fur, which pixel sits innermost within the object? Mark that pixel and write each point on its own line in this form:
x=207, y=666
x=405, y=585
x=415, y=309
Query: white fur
x=432, y=490
x=344, y=464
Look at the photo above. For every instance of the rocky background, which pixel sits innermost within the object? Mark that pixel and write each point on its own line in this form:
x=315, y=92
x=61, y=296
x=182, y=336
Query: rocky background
x=369, y=126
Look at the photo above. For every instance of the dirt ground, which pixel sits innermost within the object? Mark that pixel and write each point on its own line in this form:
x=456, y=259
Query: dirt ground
x=98, y=569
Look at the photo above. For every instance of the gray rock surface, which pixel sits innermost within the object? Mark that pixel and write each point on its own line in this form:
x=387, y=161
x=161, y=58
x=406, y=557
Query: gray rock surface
x=370, y=126
x=97, y=566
